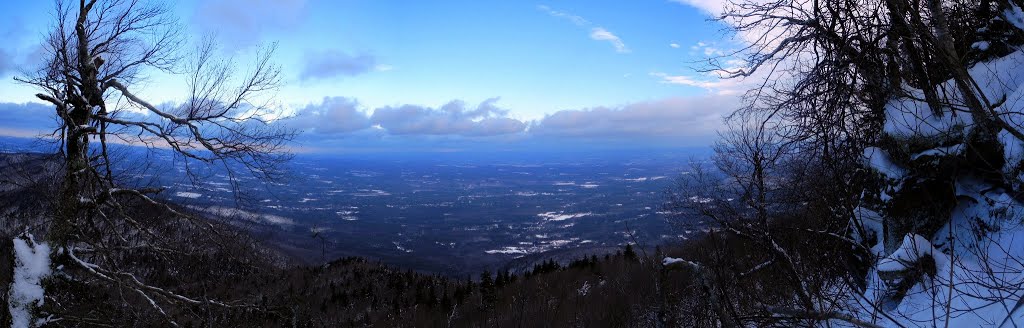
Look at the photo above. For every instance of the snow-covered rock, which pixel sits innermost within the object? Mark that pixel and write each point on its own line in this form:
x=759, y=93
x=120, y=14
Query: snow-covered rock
x=911, y=251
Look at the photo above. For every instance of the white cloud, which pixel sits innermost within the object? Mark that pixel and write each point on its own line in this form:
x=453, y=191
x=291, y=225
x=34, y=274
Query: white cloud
x=685, y=80
x=727, y=55
x=768, y=30
x=601, y=34
x=579, y=21
x=711, y=7
x=733, y=86
x=708, y=50
x=596, y=33
x=673, y=45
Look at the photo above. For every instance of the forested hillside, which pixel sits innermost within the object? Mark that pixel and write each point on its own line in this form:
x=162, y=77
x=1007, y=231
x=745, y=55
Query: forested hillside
x=626, y=288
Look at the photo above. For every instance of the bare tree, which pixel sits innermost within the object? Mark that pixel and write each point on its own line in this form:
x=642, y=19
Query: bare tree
x=96, y=52
x=836, y=76
x=756, y=202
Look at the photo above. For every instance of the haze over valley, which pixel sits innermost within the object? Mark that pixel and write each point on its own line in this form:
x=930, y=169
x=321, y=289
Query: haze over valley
x=453, y=214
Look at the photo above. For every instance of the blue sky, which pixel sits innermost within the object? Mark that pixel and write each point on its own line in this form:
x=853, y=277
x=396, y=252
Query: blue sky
x=446, y=74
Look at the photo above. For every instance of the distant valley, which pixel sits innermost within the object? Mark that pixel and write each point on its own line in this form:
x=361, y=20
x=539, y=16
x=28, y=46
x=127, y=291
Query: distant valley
x=448, y=214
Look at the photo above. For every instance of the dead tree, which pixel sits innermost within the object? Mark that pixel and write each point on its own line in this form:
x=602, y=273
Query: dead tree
x=96, y=53
x=832, y=72
x=755, y=201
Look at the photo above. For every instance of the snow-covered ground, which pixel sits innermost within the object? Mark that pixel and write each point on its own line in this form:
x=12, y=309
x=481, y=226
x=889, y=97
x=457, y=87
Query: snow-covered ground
x=978, y=255
x=31, y=266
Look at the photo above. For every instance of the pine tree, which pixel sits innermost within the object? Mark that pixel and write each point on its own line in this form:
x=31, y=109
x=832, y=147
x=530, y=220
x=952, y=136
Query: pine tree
x=629, y=252
x=487, y=290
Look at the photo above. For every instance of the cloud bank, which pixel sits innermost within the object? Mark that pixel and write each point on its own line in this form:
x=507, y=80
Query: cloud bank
x=453, y=118
x=26, y=120
x=666, y=118
x=657, y=119
x=333, y=115
x=340, y=115
x=334, y=122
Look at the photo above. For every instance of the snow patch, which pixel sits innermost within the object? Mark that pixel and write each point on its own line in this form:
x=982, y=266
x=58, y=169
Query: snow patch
x=31, y=266
x=879, y=160
x=940, y=151
x=585, y=289
x=672, y=260
x=371, y=193
x=229, y=212
x=1014, y=16
x=507, y=250
x=561, y=216
x=1013, y=150
x=188, y=194
x=914, y=248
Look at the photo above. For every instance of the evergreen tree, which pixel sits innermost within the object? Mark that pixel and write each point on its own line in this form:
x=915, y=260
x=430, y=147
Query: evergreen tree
x=629, y=253
x=487, y=290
